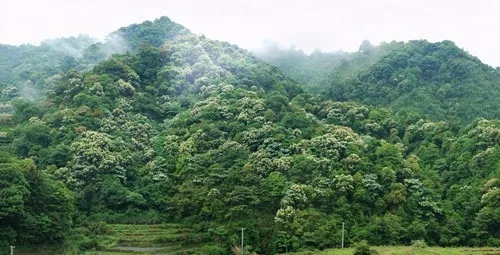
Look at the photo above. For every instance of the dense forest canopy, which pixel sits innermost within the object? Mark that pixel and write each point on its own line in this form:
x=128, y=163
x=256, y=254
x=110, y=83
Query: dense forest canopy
x=401, y=142
x=437, y=80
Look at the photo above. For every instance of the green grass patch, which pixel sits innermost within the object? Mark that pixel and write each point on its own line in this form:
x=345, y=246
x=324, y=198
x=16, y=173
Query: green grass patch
x=159, y=239
x=409, y=250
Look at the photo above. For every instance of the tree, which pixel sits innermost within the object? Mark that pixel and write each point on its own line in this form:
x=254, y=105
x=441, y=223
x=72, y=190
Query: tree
x=34, y=209
x=366, y=47
x=93, y=156
x=487, y=222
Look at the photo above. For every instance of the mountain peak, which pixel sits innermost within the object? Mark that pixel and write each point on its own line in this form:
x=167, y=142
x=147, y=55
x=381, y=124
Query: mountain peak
x=154, y=33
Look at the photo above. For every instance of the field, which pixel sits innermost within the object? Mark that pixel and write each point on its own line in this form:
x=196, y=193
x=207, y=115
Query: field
x=149, y=239
x=408, y=250
x=163, y=239
x=176, y=239
x=385, y=250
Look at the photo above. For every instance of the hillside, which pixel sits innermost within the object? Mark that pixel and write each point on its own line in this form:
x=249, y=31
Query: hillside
x=437, y=80
x=29, y=69
x=31, y=66
x=202, y=133
x=318, y=70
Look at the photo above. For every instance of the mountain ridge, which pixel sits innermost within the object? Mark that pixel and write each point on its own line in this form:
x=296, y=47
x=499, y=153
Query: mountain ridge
x=409, y=77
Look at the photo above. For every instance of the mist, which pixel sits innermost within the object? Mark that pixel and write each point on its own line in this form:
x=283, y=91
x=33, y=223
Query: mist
x=71, y=46
x=114, y=44
x=270, y=51
x=29, y=91
x=309, y=25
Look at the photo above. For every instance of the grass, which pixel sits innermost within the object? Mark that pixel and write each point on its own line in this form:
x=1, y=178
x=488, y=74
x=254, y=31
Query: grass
x=123, y=253
x=40, y=250
x=408, y=250
x=176, y=239
x=162, y=239
x=382, y=250
x=167, y=238
x=150, y=235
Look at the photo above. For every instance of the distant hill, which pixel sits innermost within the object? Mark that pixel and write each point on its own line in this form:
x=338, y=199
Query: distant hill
x=437, y=80
x=37, y=68
x=34, y=64
x=318, y=68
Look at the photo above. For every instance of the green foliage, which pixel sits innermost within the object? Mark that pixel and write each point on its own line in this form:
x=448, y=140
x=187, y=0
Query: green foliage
x=153, y=33
x=419, y=244
x=438, y=80
x=181, y=128
x=210, y=249
x=34, y=208
x=363, y=248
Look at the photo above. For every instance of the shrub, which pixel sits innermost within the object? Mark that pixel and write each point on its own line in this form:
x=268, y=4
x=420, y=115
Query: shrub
x=210, y=249
x=97, y=228
x=419, y=244
x=363, y=248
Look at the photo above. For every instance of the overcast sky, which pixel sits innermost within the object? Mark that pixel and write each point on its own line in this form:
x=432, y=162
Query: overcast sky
x=327, y=25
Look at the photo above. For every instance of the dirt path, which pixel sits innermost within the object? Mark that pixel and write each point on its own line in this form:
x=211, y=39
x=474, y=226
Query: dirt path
x=125, y=248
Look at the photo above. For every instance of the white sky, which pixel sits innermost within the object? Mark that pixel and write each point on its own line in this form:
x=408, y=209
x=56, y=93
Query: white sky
x=308, y=24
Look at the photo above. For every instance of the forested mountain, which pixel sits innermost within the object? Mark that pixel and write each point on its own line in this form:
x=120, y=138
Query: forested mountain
x=180, y=128
x=318, y=70
x=31, y=65
x=437, y=80
x=35, y=66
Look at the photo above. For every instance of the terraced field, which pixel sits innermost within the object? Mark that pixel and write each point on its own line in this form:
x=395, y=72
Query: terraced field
x=149, y=239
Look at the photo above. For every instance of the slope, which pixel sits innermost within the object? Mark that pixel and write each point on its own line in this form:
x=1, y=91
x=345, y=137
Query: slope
x=319, y=70
x=30, y=69
x=34, y=64
x=436, y=80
